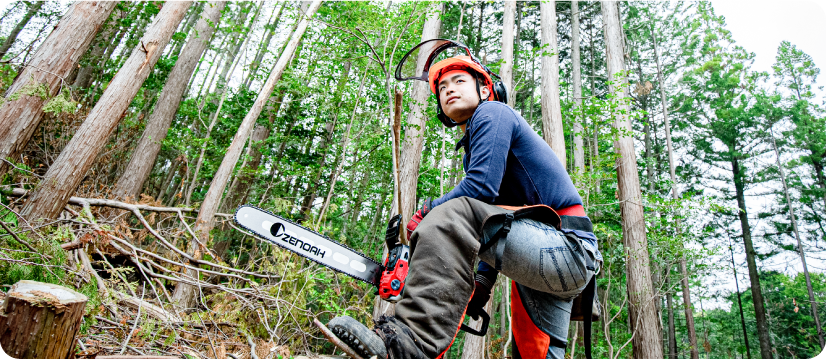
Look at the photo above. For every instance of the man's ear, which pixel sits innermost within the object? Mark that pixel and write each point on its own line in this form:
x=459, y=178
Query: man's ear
x=484, y=92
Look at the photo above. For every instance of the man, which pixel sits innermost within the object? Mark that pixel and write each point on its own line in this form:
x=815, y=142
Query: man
x=506, y=164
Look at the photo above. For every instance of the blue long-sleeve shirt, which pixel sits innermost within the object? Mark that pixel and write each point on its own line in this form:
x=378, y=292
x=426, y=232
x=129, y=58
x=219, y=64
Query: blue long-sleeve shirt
x=507, y=163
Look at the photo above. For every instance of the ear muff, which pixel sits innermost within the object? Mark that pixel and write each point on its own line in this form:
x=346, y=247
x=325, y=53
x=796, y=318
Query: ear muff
x=500, y=92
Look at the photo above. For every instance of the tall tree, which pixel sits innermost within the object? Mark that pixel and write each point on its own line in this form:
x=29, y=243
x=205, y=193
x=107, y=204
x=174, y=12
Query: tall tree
x=185, y=294
x=552, y=130
x=576, y=83
x=506, y=69
x=68, y=170
x=717, y=105
x=411, y=151
x=645, y=323
x=144, y=155
x=53, y=61
x=34, y=7
x=675, y=194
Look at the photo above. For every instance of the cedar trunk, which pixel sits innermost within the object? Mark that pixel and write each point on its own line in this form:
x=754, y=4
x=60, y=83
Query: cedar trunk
x=143, y=157
x=754, y=277
x=551, y=111
x=54, y=59
x=40, y=320
x=506, y=69
x=647, y=341
x=63, y=177
x=675, y=194
x=185, y=294
x=579, y=150
x=411, y=152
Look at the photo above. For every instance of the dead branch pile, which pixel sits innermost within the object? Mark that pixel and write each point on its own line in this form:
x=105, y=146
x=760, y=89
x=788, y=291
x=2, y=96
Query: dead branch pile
x=129, y=255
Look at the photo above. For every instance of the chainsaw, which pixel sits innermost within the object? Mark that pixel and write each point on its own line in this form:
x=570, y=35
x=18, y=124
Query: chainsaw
x=388, y=278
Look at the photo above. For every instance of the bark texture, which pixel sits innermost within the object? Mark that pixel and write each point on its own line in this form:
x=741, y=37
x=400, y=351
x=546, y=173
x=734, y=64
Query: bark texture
x=74, y=161
x=40, y=320
x=411, y=152
x=579, y=149
x=754, y=276
x=647, y=341
x=551, y=111
x=143, y=157
x=185, y=294
x=54, y=60
x=506, y=69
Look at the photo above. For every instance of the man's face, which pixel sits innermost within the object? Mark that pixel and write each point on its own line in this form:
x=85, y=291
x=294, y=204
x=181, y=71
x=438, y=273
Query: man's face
x=457, y=94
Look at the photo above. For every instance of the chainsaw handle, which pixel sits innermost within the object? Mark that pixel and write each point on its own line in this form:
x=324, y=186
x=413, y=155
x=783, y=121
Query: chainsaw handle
x=483, y=330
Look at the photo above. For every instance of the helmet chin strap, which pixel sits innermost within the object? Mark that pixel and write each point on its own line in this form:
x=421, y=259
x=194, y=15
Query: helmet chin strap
x=447, y=121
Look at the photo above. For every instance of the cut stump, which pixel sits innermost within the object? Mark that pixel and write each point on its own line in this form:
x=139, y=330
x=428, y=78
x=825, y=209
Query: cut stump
x=40, y=320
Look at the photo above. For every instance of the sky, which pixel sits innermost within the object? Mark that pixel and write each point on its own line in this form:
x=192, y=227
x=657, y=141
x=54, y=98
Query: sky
x=760, y=25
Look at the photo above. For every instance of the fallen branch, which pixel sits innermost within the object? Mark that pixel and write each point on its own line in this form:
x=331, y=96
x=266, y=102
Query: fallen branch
x=99, y=202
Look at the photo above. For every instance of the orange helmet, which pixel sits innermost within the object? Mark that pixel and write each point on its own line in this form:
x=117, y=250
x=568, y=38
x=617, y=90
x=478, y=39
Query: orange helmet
x=420, y=64
x=460, y=62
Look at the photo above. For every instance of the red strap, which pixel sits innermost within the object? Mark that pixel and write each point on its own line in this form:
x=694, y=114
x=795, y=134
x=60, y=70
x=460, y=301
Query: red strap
x=575, y=210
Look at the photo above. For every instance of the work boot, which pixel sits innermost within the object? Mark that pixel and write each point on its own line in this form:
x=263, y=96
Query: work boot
x=358, y=337
x=391, y=339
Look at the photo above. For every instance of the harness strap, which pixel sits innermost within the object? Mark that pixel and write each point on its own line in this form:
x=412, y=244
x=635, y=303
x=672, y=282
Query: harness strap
x=588, y=307
x=502, y=235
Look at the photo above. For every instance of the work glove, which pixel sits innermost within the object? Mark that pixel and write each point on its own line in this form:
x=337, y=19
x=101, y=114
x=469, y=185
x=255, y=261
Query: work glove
x=481, y=296
x=418, y=217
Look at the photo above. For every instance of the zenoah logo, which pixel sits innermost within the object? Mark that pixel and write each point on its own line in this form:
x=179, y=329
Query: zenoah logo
x=278, y=231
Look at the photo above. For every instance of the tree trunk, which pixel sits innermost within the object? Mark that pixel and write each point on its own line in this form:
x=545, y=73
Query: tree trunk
x=193, y=16
x=675, y=194
x=33, y=9
x=54, y=59
x=739, y=301
x=259, y=56
x=812, y=302
x=647, y=341
x=552, y=130
x=185, y=294
x=579, y=149
x=506, y=69
x=168, y=179
x=103, y=41
x=475, y=346
x=411, y=153
x=143, y=157
x=754, y=276
x=40, y=320
x=53, y=192
x=672, y=329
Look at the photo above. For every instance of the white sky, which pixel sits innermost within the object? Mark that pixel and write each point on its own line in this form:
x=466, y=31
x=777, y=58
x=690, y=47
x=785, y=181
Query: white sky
x=760, y=25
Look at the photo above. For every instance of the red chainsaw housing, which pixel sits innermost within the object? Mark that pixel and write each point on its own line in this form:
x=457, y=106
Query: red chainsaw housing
x=391, y=285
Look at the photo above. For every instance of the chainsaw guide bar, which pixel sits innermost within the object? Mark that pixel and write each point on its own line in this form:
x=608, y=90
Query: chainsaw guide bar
x=308, y=244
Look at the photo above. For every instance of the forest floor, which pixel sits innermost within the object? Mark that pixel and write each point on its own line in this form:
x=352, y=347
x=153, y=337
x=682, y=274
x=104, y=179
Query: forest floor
x=127, y=258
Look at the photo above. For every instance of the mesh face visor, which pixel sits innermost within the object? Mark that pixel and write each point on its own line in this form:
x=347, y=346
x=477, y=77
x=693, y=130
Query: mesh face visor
x=431, y=52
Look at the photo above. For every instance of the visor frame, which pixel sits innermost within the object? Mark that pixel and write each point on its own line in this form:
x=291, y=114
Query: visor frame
x=433, y=54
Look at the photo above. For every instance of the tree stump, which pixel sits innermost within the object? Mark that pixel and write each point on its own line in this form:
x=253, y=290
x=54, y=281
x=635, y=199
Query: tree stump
x=40, y=320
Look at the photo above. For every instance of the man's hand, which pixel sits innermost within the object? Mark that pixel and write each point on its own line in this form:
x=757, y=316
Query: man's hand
x=418, y=216
x=481, y=296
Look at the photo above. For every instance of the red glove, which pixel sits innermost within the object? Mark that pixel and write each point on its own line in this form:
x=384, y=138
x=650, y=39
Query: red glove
x=418, y=216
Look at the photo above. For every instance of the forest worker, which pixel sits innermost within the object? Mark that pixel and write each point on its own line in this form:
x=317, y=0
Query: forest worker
x=506, y=164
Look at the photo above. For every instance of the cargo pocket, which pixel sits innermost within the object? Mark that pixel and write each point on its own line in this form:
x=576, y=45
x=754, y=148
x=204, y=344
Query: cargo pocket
x=563, y=269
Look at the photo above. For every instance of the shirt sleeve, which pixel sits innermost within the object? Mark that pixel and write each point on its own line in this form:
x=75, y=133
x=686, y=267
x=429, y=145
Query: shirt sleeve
x=491, y=132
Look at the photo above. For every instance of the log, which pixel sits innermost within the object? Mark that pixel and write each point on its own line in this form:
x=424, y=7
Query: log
x=40, y=320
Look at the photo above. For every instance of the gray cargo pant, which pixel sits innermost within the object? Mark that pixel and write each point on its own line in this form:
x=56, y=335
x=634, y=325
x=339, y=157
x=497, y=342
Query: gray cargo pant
x=548, y=268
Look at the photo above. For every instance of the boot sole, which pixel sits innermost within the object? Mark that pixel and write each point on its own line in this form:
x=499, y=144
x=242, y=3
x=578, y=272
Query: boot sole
x=358, y=337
